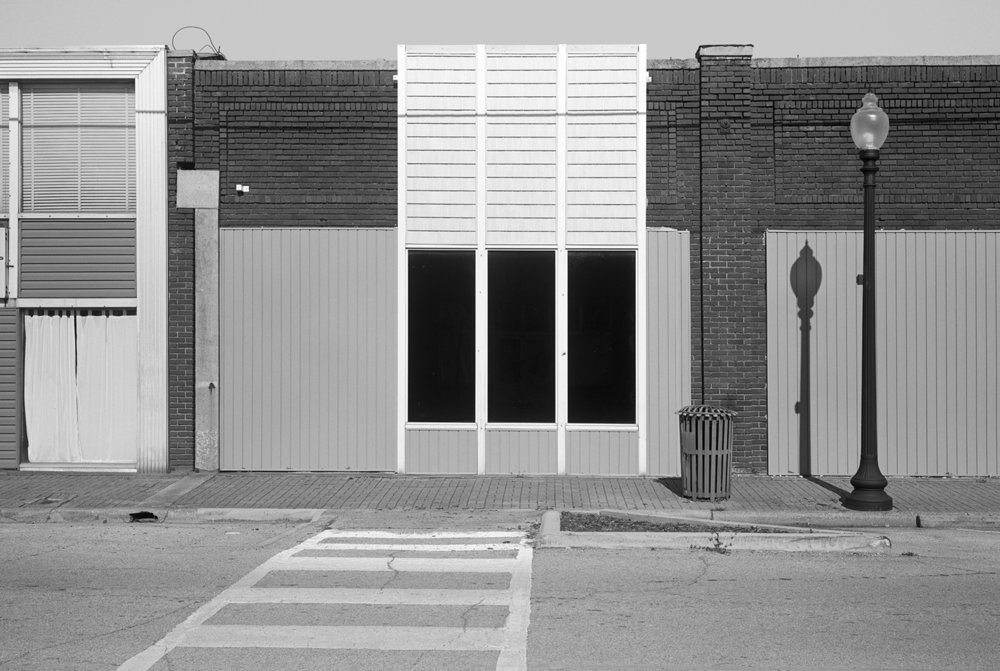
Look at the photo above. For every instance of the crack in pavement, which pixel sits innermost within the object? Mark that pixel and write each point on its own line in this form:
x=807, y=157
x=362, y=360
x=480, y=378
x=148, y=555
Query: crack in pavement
x=395, y=572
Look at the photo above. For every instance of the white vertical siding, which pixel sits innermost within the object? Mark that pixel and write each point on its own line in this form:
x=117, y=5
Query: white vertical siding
x=602, y=452
x=151, y=260
x=668, y=371
x=307, y=349
x=441, y=451
x=520, y=450
x=937, y=365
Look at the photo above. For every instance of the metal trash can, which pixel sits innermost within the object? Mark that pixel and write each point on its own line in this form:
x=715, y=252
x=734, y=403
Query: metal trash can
x=706, y=451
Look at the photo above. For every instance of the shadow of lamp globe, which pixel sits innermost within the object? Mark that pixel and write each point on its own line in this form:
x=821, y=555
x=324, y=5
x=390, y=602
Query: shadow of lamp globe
x=869, y=128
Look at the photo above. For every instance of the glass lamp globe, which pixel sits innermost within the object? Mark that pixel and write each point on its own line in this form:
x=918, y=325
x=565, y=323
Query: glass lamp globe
x=869, y=125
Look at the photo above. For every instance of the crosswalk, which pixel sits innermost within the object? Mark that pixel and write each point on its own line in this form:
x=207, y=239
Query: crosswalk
x=372, y=590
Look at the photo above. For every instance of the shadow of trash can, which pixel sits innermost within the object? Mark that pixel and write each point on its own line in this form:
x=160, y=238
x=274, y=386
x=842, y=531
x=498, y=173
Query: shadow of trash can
x=706, y=451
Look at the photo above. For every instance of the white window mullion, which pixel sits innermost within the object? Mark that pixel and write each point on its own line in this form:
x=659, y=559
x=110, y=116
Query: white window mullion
x=482, y=290
x=562, y=267
x=641, y=410
x=14, y=187
x=402, y=267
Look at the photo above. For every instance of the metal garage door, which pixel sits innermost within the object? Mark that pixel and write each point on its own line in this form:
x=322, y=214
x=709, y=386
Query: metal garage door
x=308, y=349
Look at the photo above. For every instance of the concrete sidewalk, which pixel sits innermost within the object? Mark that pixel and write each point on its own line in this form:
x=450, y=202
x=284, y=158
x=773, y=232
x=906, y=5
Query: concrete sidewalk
x=36, y=497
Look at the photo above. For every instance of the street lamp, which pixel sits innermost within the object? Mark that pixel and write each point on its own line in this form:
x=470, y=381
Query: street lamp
x=869, y=128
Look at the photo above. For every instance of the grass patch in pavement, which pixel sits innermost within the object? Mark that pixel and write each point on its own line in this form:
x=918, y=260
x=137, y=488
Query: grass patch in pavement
x=593, y=522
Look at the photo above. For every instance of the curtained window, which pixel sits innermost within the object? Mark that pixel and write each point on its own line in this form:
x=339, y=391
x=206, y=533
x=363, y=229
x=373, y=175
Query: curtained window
x=80, y=387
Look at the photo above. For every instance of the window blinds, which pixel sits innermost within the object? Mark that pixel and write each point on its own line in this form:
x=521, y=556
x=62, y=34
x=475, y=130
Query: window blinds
x=78, y=147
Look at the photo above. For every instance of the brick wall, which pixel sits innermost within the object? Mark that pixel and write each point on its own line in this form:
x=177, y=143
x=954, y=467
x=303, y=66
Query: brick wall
x=316, y=147
x=180, y=260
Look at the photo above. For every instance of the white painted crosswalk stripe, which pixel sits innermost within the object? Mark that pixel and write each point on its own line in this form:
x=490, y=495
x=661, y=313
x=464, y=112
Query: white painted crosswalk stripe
x=394, y=564
x=391, y=597
x=508, y=641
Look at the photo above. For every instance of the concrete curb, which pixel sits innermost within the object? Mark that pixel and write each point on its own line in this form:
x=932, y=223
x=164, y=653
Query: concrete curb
x=550, y=536
x=179, y=515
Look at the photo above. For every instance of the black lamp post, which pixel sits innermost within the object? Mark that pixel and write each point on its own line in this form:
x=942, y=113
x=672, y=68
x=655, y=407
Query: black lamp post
x=869, y=128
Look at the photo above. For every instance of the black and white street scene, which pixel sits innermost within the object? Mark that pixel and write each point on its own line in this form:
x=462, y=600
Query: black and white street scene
x=535, y=335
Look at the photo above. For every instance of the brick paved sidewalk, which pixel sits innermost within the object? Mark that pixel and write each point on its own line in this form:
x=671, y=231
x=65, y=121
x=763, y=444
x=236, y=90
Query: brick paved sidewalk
x=750, y=493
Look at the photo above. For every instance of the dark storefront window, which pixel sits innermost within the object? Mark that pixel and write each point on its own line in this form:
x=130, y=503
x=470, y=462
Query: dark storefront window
x=601, y=325
x=442, y=342
x=522, y=332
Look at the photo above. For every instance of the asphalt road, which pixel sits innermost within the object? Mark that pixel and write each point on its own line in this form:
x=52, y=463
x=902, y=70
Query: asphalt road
x=933, y=602
x=90, y=596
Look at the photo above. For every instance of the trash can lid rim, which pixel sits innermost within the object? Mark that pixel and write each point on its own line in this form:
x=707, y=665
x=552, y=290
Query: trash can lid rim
x=705, y=411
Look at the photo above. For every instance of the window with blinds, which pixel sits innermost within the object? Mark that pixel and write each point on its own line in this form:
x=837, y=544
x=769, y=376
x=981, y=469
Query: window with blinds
x=78, y=147
x=4, y=152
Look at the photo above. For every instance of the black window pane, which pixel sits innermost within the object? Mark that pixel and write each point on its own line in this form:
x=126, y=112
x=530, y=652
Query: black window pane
x=442, y=341
x=601, y=368
x=522, y=333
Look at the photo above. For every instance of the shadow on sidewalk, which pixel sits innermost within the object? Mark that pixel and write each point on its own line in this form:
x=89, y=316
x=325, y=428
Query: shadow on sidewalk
x=842, y=493
x=675, y=485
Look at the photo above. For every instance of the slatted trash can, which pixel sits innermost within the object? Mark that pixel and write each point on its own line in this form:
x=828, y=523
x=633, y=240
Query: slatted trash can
x=706, y=451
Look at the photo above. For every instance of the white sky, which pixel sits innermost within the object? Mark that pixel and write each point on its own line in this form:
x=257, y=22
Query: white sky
x=368, y=29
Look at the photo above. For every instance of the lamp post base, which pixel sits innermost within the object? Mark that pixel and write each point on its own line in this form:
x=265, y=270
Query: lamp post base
x=869, y=500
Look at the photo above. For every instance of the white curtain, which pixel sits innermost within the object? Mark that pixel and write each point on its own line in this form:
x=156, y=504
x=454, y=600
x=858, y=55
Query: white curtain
x=108, y=387
x=50, y=392
x=81, y=388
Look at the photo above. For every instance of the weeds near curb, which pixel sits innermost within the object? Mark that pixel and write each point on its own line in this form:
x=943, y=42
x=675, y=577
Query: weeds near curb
x=716, y=545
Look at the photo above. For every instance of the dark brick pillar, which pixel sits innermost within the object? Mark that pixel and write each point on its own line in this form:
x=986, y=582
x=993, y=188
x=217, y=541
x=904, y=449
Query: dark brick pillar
x=180, y=259
x=732, y=255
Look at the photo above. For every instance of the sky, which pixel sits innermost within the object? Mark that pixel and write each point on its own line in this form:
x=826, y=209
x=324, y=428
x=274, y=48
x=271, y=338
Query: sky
x=363, y=30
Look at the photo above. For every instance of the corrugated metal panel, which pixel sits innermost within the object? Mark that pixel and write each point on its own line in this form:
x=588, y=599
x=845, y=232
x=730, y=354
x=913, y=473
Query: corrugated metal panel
x=593, y=452
x=78, y=147
x=668, y=280
x=441, y=451
x=521, y=451
x=78, y=258
x=151, y=260
x=308, y=349
x=938, y=296
x=9, y=390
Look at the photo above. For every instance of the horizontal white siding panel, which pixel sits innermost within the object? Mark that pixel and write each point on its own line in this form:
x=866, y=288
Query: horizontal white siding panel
x=591, y=452
x=602, y=238
x=441, y=451
x=936, y=355
x=512, y=237
x=521, y=170
x=520, y=451
x=522, y=129
x=597, y=172
x=512, y=195
x=425, y=239
x=608, y=63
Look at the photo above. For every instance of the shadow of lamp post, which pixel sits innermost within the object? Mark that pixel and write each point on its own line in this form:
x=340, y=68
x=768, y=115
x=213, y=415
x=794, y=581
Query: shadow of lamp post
x=869, y=128
x=805, y=279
